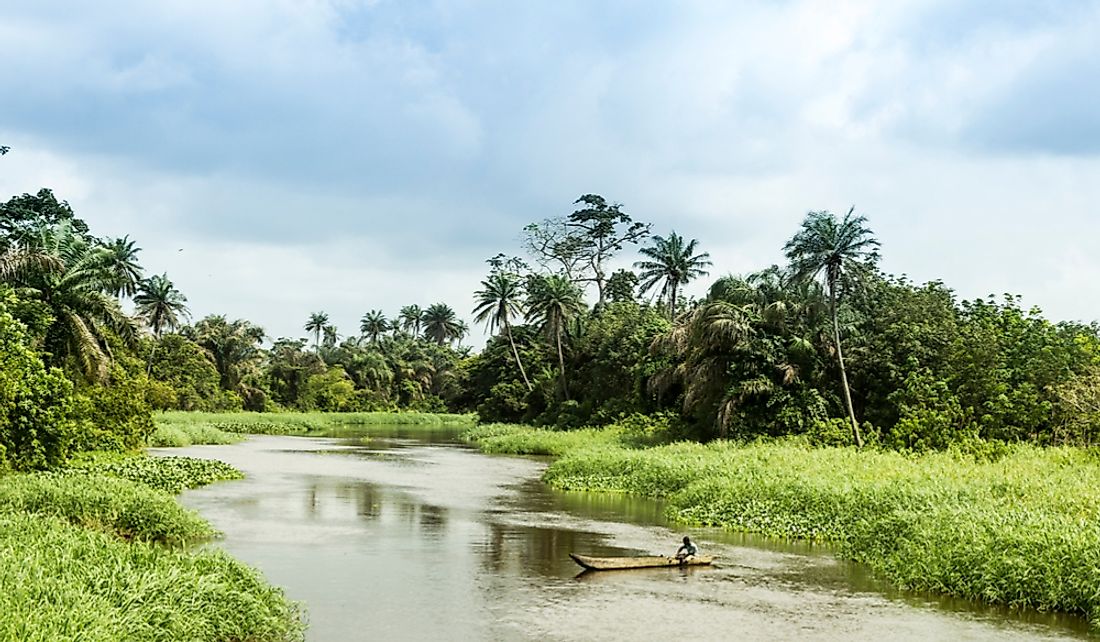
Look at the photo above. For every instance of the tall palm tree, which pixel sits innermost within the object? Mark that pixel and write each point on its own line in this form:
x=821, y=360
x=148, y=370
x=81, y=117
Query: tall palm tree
x=232, y=345
x=412, y=318
x=316, y=324
x=551, y=302
x=123, y=265
x=440, y=323
x=834, y=250
x=332, y=337
x=673, y=262
x=74, y=278
x=373, y=325
x=497, y=302
x=160, y=304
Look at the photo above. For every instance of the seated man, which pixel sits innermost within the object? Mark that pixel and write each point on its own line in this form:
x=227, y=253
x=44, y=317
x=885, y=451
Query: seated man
x=687, y=551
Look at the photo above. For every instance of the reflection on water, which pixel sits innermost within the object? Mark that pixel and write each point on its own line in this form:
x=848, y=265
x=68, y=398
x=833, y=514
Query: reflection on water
x=406, y=535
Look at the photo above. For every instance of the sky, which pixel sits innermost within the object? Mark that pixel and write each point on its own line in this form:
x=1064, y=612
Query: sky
x=280, y=157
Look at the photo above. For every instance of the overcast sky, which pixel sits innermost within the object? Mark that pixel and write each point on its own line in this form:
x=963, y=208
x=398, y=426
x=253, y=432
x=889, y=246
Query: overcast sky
x=279, y=157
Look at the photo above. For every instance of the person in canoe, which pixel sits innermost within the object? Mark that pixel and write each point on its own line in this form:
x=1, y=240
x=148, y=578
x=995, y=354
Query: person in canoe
x=687, y=550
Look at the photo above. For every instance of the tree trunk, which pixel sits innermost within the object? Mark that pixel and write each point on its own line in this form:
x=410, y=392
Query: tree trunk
x=672, y=303
x=561, y=362
x=843, y=372
x=508, y=329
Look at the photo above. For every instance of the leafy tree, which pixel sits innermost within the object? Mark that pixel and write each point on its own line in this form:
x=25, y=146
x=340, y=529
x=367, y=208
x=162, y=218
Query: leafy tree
x=621, y=286
x=499, y=300
x=316, y=324
x=411, y=317
x=289, y=367
x=552, y=301
x=373, y=325
x=123, y=266
x=604, y=228
x=187, y=368
x=672, y=262
x=835, y=250
x=21, y=217
x=440, y=324
x=160, y=304
x=79, y=296
x=232, y=345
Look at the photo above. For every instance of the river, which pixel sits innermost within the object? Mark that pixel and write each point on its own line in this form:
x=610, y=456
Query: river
x=392, y=534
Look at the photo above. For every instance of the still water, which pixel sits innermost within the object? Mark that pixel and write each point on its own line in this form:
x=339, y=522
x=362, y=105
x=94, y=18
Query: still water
x=392, y=535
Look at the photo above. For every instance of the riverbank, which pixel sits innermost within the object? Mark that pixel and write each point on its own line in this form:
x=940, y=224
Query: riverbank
x=1021, y=530
x=99, y=551
x=177, y=429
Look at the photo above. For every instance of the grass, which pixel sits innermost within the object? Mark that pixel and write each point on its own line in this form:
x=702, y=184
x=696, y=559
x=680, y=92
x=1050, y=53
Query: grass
x=94, y=552
x=1022, y=531
x=64, y=582
x=182, y=435
x=300, y=423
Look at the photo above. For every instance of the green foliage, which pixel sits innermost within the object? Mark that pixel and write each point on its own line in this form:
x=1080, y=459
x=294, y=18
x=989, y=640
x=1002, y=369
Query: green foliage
x=182, y=435
x=98, y=587
x=125, y=508
x=168, y=474
x=113, y=415
x=187, y=369
x=331, y=391
x=35, y=404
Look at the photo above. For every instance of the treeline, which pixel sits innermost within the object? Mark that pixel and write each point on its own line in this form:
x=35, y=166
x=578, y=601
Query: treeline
x=825, y=345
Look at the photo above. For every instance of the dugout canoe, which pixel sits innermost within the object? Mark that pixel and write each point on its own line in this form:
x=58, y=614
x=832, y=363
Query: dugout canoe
x=620, y=563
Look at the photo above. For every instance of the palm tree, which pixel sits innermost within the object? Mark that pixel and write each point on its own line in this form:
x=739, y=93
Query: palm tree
x=551, y=302
x=834, y=250
x=331, y=336
x=123, y=266
x=673, y=262
x=316, y=325
x=160, y=304
x=231, y=345
x=74, y=279
x=440, y=323
x=373, y=325
x=411, y=317
x=499, y=300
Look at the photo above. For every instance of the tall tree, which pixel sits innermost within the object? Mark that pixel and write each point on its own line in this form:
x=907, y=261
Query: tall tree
x=441, y=325
x=604, y=228
x=552, y=301
x=331, y=336
x=837, y=251
x=412, y=317
x=673, y=263
x=316, y=324
x=499, y=300
x=76, y=284
x=373, y=325
x=22, y=217
x=233, y=345
x=160, y=304
x=123, y=265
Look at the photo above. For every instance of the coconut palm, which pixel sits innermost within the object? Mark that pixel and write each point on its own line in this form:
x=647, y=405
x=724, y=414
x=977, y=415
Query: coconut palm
x=834, y=250
x=73, y=277
x=123, y=266
x=673, y=262
x=316, y=324
x=160, y=304
x=440, y=323
x=411, y=317
x=232, y=345
x=332, y=337
x=497, y=302
x=373, y=325
x=551, y=302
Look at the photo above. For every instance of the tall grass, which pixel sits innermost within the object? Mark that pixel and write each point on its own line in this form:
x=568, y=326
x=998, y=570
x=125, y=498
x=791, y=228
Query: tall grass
x=1023, y=530
x=290, y=423
x=64, y=582
x=182, y=435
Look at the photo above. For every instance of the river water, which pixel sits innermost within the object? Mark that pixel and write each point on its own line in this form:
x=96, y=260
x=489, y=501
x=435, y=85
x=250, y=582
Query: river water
x=395, y=535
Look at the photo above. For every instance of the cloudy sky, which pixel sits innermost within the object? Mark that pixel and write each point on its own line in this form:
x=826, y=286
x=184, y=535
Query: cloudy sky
x=280, y=157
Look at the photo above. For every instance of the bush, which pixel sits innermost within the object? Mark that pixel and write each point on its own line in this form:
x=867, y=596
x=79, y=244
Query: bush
x=114, y=415
x=36, y=431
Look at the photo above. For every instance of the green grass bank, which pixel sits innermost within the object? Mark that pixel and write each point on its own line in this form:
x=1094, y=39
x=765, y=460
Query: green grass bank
x=1020, y=529
x=186, y=428
x=97, y=552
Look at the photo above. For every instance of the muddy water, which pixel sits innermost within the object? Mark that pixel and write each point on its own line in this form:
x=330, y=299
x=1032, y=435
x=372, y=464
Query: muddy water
x=410, y=536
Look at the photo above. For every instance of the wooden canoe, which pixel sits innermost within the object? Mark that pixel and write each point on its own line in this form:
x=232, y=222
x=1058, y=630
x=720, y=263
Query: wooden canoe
x=620, y=563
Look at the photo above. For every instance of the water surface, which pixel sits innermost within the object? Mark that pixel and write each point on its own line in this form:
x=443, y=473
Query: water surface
x=406, y=535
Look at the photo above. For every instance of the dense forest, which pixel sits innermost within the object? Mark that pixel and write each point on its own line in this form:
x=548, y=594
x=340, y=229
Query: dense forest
x=825, y=345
